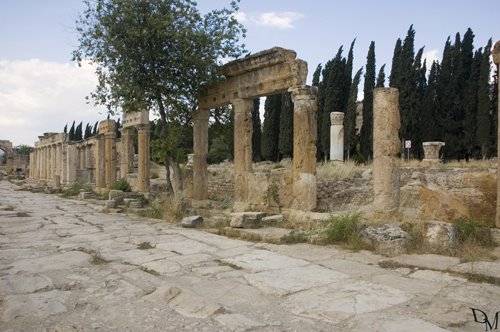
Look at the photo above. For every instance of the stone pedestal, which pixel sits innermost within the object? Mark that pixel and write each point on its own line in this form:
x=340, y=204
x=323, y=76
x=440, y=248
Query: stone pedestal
x=496, y=59
x=304, y=147
x=337, y=136
x=386, y=146
x=431, y=152
x=242, y=147
x=200, y=151
x=144, y=164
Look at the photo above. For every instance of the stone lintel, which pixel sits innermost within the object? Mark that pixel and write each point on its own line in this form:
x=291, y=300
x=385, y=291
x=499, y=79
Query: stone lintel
x=132, y=119
x=258, y=60
x=495, y=52
x=257, y=83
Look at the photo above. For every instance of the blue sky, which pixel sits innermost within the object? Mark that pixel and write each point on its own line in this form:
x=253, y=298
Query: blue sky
x=41, y=89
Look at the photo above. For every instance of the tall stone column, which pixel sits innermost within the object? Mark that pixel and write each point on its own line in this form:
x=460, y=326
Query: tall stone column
x=386, y=146
x=337, y=136
x=200, y=151
x=127, y=153
x=71, y=163
x=242, y=146
x=100, y=178
x=496, y=59
x=58, y=169
x=110, y=158
x=143, y=133
x=304, y=146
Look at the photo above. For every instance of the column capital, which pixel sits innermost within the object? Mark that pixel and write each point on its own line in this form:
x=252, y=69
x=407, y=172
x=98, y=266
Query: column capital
x=495, y=52
x=201, y=114
x=303, y=92
x=337, y=118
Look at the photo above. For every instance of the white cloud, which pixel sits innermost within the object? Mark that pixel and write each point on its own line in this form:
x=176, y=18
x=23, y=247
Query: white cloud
x=431, y=56
x=284, y=20
x=40, y=96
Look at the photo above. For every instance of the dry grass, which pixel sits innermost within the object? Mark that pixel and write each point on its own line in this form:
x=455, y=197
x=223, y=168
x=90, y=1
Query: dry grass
x=339, y=171
x=415, y=163
x=170, y=208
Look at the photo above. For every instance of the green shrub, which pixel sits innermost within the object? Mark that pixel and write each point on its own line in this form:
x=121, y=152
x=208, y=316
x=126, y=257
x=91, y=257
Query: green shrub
x=75, y=189
x=123, y=185
x=342, y=229
x=468, y=230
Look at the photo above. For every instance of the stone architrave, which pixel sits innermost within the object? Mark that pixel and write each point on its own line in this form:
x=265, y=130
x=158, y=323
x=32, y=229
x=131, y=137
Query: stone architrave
x=386, y=146
x=200, y=151
x=337, y=136
x=496, y=59
x=304, y=146
x=242, y=146
x=143, y=133
x=431, y=151
x=127, y=152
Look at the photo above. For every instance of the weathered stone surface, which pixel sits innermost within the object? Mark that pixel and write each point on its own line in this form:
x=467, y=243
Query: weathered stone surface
x=440, y=235
x=191, y=222
x=135, y=204
x=117, y=195
x=110, y=203
x=273, y=220
x=37, y=305
x=431, y=151
x=246, y=219
x=388, y=239
x=238, y=322
x=337, y=136
x=86, y=195
x=386, y=146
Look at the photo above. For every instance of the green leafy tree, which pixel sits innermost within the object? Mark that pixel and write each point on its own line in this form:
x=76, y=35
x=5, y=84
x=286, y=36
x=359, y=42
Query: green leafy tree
x=271, y=128
x=285, y=144
x=156, y=55
x=221, y=133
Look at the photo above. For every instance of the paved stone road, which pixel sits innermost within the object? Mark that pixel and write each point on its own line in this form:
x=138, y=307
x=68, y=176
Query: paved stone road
x=65, y=266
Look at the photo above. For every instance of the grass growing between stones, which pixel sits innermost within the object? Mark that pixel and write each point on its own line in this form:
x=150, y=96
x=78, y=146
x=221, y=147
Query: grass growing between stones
x=145, y=245
x=96, y=258
x=345, y=231
x=22, y=214
x=75, y=189
x=150, y=271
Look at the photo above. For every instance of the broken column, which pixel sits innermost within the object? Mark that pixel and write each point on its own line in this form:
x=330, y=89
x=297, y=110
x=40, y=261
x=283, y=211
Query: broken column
x=242, y=146
x=337, y=136
x=496, y=59
x=200, y=151
x=386, y=146
x=431, y=152
x=304, y=146
x=143, y=133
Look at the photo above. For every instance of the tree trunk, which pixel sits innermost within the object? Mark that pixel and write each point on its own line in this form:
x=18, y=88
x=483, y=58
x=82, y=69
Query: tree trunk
x=177, y=185
x=164, y=136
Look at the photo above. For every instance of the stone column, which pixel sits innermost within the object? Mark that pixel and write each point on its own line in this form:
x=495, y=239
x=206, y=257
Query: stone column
x=242, y=147
x=100, y=178
x=386, y=146
x=127, y=152
x=337, y=136
x=110, y=158
x=58, y=173
x=143, y=133
x=71, y=163
x=304, y=146
x=200, y=151
x=496, y=59
x=431, y=152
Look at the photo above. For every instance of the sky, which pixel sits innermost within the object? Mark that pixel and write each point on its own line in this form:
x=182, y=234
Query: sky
x=42, y=90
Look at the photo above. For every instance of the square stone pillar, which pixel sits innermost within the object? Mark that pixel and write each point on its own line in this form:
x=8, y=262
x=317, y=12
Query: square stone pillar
x=100, y=178
x=127, y=152
x=143, y=135
x=200, y=151
x=71, y=163
x=386, y=146
x=304, y=147
x=242, y=146
x=496, y=59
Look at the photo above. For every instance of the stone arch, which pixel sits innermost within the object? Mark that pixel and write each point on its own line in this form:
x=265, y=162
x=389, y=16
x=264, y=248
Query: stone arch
x=265, y=73
x=6, y=147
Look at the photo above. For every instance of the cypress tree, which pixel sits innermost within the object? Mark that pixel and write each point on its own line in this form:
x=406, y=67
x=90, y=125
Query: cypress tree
x=431, y=130
x=366, y=138
x=71, y=133
x=257, y=131
x=65, y=130
x=350, y=136
x=470, y=107
x=316, y=76
x=494, y=113
x=118, y=127
x=483, y=102
x=88, y=131
x=381, y=78
x=78, y=132
x=395, y=77
x=96, y=127
x=285, y=144
x=271, y=127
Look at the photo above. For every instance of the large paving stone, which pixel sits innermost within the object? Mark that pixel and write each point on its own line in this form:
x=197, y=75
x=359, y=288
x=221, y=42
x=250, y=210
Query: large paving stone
x=261, y=260
x=62, y=261
x=238, y=322
x=39, y=305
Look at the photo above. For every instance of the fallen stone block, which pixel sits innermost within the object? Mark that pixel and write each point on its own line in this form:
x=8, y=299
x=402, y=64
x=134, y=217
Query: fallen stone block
x=191, y=222
x=272, y=220
x=387, y=238
x=246, y=219
x=117, y=195
x=135, y=204
x=110, y=204
x=86, y=195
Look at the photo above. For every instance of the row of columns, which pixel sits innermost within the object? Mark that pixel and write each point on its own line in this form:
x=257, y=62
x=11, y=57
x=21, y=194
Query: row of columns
x=127, y=155
x=46, y=163
x=304, y=162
